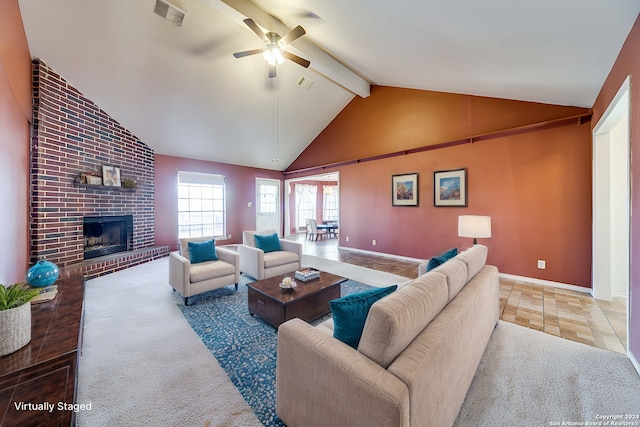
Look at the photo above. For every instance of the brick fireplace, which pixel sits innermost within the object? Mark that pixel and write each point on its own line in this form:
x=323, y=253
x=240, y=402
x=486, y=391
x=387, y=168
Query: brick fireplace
x=72, y=135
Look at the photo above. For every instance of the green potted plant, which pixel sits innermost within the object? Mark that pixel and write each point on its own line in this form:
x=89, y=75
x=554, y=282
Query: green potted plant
x=15, y=317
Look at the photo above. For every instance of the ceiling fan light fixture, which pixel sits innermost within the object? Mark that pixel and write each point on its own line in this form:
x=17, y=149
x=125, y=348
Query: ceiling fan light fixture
x=273, y=56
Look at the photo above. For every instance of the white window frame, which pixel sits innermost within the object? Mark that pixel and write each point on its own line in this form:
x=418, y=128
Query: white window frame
x=202, y=206
x=330, y=203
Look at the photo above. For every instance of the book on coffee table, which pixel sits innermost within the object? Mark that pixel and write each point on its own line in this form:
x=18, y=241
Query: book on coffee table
x=307, y=274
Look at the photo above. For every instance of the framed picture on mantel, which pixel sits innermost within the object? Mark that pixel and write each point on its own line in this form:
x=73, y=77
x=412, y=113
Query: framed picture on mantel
x=450, y=187
x=111, y=176
x=404, y=189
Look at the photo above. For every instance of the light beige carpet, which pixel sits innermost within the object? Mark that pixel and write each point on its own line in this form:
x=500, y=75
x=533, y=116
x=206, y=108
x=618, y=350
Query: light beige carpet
x=142, y=365
x=529, y=378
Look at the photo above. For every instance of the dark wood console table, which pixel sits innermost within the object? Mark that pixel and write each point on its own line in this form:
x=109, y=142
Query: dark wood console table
x=45, y=370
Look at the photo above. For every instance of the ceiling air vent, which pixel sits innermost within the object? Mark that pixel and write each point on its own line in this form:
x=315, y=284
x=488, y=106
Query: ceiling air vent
x=305, y=82
x=171, y=13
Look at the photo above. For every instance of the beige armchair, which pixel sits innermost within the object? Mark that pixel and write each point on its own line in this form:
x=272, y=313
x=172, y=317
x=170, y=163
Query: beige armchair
x=260, y=265
x=192, y=279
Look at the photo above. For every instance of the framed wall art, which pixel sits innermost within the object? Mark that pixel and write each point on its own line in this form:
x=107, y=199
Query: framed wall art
x=450, y=187
x=404, y=189
x=111, y=176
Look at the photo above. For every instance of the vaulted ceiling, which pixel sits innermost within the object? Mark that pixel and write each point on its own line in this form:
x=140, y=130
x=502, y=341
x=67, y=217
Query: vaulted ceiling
x=181, y=91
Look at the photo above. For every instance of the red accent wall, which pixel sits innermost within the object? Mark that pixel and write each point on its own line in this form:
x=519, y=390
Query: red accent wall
x=536, y=186
x=15, y=114
x=240, y=185
x=628, y=64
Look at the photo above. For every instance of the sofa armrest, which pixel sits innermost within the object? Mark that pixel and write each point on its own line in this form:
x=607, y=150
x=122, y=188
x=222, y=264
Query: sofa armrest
x=321, y=381
x=179, y=272
x=290, y=246
x=422, y=268
x=232, y=257
x=251, y=261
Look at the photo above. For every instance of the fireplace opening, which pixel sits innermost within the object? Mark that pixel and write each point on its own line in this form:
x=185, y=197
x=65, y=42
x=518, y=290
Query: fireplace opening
x=104, y=235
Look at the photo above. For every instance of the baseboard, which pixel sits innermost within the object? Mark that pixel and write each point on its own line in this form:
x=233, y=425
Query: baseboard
x=506, y=276
x=546, y=283
x=382, y=254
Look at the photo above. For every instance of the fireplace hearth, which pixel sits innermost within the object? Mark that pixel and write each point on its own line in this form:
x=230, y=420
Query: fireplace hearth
x=104, y=235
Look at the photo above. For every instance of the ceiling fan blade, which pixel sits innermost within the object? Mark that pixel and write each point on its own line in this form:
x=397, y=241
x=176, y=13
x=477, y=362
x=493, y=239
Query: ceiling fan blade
x=272, y=71
x=254, y=27
x=247, y=53
x=295, y=58
x=296, y=33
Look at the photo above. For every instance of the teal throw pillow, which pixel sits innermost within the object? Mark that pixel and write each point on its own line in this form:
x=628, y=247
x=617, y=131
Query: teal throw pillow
x=268, y=243
x=441, y=259
x=350, y=313
x=202, y=251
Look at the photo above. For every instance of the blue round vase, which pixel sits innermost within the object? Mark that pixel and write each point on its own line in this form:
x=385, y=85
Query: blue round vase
x=43, y=273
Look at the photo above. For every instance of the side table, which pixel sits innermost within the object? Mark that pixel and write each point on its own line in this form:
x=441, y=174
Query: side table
x=38, y=382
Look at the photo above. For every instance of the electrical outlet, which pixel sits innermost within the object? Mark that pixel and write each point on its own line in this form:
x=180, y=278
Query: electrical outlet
x=373, y=242
x=346, y=238
x=542, y=264
x=229, y=236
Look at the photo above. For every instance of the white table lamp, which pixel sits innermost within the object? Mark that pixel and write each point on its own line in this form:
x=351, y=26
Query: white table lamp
x=476, y=226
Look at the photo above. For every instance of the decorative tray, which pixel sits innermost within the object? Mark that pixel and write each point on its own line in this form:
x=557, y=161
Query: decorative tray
x=293, y=285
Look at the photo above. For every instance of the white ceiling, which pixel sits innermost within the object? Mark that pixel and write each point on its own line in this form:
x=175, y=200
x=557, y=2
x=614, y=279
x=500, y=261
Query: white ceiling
x=182, y=92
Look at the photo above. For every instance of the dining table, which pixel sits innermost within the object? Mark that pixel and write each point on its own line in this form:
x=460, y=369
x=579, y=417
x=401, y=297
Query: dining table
x=331, y=228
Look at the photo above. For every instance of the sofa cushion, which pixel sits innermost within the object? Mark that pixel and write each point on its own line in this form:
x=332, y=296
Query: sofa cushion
x=395, y=321
x=210, y=270
x=441, y=259
x=202, y=251
x=456, y=273
x=350, y=312
x=269, y=243
x=274, y=259
x=475, y=258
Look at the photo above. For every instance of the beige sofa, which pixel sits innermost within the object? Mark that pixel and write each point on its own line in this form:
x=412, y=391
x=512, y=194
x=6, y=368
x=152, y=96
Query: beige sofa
x=260, y=265
x=418, y=354
x=192, y=279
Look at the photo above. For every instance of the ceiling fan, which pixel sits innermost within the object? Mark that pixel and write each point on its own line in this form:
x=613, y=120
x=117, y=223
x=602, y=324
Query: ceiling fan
x=273, y=53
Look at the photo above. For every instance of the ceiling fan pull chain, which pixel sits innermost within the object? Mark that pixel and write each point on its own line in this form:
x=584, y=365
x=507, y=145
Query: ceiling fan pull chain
x=275, y=121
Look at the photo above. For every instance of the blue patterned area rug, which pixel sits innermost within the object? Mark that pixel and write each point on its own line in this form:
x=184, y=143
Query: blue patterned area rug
x=244, y=345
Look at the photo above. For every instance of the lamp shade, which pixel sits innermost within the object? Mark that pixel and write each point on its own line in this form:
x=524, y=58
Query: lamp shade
x=474, y=226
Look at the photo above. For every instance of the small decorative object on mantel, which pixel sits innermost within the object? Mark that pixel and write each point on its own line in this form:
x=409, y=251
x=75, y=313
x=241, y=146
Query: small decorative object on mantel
x=15, y=317
x=128, y=183
x=43, y=273
x=94, y=180
x=111, y=176
x=450, y=187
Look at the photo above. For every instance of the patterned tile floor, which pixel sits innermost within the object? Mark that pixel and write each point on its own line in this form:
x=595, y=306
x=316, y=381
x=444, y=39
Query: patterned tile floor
x=565, y=313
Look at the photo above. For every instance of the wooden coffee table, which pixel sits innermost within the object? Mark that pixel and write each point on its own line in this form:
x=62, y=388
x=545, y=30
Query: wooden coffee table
x=308, y=300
